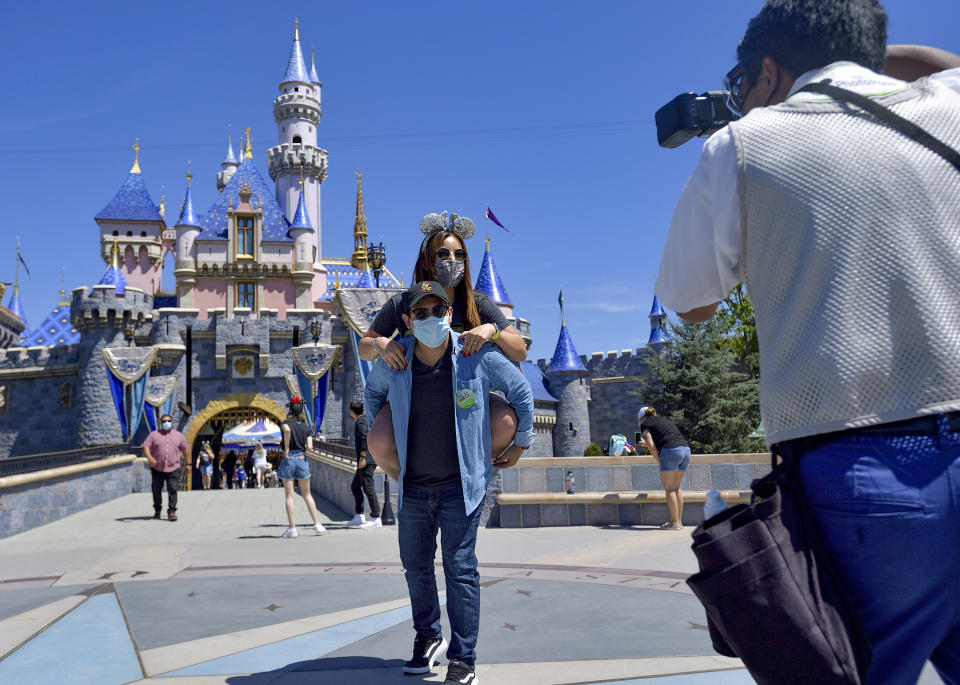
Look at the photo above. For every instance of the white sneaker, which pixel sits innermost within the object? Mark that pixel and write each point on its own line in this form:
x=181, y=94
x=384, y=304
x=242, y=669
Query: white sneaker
x=289, y=533
x=372, y=523
x=357, y=520
x=319, y=529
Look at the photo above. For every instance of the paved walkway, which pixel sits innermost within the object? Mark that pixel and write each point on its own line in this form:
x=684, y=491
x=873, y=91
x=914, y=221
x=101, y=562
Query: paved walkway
x=112, y=596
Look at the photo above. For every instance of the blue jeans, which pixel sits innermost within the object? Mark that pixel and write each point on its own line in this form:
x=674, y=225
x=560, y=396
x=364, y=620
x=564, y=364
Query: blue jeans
x=888, y=506
x=422, y=513
x=674, y=459
x=294, y=468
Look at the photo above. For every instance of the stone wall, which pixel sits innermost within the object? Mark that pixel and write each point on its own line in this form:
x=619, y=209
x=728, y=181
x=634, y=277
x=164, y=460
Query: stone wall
x=33, y=504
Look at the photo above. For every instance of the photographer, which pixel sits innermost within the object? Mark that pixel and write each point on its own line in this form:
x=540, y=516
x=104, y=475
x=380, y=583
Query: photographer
x=846, y=231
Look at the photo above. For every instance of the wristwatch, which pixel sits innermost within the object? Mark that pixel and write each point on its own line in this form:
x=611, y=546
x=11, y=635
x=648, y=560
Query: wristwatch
x=497, y=332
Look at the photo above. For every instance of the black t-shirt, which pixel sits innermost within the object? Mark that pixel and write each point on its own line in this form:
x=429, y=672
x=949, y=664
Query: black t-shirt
x=299, y=432
x=389, y=319
x=360, y=429
x=432, y=434
x=665, y=433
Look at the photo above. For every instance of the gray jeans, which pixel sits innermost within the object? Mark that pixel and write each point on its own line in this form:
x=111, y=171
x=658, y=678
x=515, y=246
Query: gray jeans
x=172, y=479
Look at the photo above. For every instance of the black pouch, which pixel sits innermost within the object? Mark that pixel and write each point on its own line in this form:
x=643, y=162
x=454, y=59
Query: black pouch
x=771, y=595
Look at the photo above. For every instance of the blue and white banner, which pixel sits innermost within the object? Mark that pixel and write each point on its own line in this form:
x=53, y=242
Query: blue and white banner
x=359, y=307
x=312, y=362
x=128, y=366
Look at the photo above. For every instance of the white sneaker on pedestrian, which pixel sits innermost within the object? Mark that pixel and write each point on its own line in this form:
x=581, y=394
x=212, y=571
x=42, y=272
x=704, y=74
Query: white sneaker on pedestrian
x=372, y=523
x=290, y=533
x=319, y=529
x=357, y=520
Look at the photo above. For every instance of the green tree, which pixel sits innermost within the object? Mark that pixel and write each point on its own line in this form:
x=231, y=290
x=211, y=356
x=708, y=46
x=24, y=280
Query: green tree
x=698, y=383
x=739, y=329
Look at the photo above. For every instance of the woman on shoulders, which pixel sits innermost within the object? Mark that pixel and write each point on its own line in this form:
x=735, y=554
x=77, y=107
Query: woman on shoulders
x=443, y=258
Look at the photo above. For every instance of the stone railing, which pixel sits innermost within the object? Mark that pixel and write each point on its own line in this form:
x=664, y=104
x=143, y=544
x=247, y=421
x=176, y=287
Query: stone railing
x=39, y=462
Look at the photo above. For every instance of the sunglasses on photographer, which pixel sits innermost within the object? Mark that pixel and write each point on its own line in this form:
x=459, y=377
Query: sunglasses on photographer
x=459, y=254
x=421, y=313
x=734, y=84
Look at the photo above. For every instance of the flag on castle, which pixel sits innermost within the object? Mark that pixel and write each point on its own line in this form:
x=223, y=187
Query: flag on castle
x=493, y=217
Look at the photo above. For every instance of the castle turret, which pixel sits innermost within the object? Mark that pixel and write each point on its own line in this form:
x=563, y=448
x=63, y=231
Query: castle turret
x=185, y=267
x=133, y=221
x=297, y=112
x=301, y=231
x=658, y=325
x=568, y=384
x=359, y=258
x=228, y=165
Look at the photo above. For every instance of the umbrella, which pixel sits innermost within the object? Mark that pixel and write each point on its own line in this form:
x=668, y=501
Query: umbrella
x=247, y=433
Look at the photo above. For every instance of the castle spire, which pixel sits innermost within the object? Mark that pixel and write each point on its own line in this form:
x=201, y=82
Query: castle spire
x=115, y=255
x=488, y=280
x=296, y=68
x=135, y=169
x=658, y=324
x=313, y=67
x=113, y=276
x=187, y=216
x=63, y=289
x=230, y=158
x=247, y=147
x=359, y=259
x=300, y=218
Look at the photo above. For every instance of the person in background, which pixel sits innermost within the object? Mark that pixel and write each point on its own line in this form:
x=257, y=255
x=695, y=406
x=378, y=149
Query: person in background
x=248, y=466
x=164, y=448
x=664, y=441
x=206, y=459
x=240, y=476
x=296, y=439
x=229, y=466
x=260, y=463
x=476, y=319
x=363, y=478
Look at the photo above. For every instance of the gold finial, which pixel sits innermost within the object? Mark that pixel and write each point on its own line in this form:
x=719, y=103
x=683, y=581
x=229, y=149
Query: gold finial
x=229, y=202
x=401, y=280
x=259, y=203
x=301, y=175
x=163, y=201
x=336, y=281
x=247, y=148
x=488, y=244
x=359, y=258
x=189, y=173
x=135, y=169
x=296, y=29
x=115, y=255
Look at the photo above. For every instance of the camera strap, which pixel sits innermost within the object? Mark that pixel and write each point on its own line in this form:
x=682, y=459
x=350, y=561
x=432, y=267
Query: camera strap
x=887, y=116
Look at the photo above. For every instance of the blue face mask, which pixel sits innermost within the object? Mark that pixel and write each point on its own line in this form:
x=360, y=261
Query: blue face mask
x=431, y=331
x=166, y=425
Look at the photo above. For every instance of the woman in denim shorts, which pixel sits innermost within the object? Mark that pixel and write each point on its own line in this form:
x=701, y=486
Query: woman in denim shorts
x=666, y=444
x=296, y=439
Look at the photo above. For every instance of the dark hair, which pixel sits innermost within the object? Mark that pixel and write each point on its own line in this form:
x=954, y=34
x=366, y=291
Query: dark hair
x=801, y=35
x=166, y=416
x=463, y=293
x=295, y=408
x=356, y=407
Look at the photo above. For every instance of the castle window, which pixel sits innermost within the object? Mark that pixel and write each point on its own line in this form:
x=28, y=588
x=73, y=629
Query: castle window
x=130, y=234
x=116, y=232
x=66, y=394
x=296, y=90
x=245, y=236
x=4, y=398
x=143, y=234
x=246, y=294
x=296, y=139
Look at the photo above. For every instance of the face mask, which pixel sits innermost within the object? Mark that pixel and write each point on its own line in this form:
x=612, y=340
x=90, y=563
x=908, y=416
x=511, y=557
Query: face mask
x=449, y=272
x=431, y=331
x=166, y=425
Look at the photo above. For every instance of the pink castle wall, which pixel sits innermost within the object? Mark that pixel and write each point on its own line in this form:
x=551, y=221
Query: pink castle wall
x=209, y=293
x=138, y=270
x=279, y=295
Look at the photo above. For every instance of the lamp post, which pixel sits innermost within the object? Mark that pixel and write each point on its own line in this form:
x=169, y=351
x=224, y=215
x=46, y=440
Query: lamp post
x=315, y=331
x=129, y=328
x=377, y=258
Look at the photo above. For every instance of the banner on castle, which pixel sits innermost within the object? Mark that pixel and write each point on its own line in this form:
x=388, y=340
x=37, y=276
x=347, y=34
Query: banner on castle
x=127, y=367
x=311, y=363
x=159, y=398
x=360, y=307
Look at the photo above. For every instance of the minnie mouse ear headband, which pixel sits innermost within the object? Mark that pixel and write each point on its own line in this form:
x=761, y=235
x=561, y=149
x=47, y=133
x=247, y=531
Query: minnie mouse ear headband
x=295, y=401
x=432, y=224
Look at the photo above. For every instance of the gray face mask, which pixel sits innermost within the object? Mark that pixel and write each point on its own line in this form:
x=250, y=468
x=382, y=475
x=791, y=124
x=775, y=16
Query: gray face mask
x=449, y=272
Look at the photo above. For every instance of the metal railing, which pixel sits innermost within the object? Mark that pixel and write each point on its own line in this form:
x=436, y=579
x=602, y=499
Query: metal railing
x=336, y=446
x=50, y=460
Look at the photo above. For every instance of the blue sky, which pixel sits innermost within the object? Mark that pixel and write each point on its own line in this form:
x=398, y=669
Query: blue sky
x=543, y=110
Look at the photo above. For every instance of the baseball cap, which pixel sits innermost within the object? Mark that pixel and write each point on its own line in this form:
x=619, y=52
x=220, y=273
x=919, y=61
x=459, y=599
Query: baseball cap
x=423, y=289
x=640, y=414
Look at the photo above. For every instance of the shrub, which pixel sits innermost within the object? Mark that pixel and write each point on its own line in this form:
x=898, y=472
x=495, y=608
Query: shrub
x=592, y=450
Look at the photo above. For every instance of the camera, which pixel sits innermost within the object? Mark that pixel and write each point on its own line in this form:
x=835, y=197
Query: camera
x=689, y=115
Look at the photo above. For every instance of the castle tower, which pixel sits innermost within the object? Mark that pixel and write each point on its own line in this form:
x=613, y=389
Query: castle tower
x=188, y=228
x=297, y=112
x=302, y=234
x=228, y=165
x=98, y=314
x=658, y=325
x=489, y=283
x=134, y=221
x=567, y=376
x=359, y=258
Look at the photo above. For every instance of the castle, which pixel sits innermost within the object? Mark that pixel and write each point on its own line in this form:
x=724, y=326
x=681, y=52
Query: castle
x=252, y=284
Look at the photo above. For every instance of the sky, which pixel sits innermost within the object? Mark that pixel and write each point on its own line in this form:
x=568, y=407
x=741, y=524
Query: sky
x=542, y=110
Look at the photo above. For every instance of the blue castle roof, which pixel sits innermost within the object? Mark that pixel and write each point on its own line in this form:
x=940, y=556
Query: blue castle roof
x=131, y=203
x=657, y=310
x=565, y=357
x=657, y=336
x=15, y=306
x=341, y=273
x=539, y=385
x=488, y=280
x=296, y=67
x=366, y=280
x=275, y=224
x=187, y=217
x=230, y=158
x=56, y=329
x=300, y=218
x=113, y=276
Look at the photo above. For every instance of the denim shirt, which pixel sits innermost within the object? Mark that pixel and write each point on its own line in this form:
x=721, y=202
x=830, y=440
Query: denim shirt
x=473, y=379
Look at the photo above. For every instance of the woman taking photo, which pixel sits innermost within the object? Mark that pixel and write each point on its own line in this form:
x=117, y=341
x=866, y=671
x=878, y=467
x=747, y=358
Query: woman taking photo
x=443, y=258
x=206, y=465
x=666, y=444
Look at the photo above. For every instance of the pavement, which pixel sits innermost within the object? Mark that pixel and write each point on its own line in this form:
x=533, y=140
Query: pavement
x=110, y=595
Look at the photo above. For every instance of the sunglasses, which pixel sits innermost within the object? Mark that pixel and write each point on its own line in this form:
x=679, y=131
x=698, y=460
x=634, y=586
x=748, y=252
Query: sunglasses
x=733, y=83
x=459, y=254
x=421, y=313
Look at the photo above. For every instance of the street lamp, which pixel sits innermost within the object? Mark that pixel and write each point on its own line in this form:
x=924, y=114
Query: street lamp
x=315, y=331
x=129, y=328
x=376, y=258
